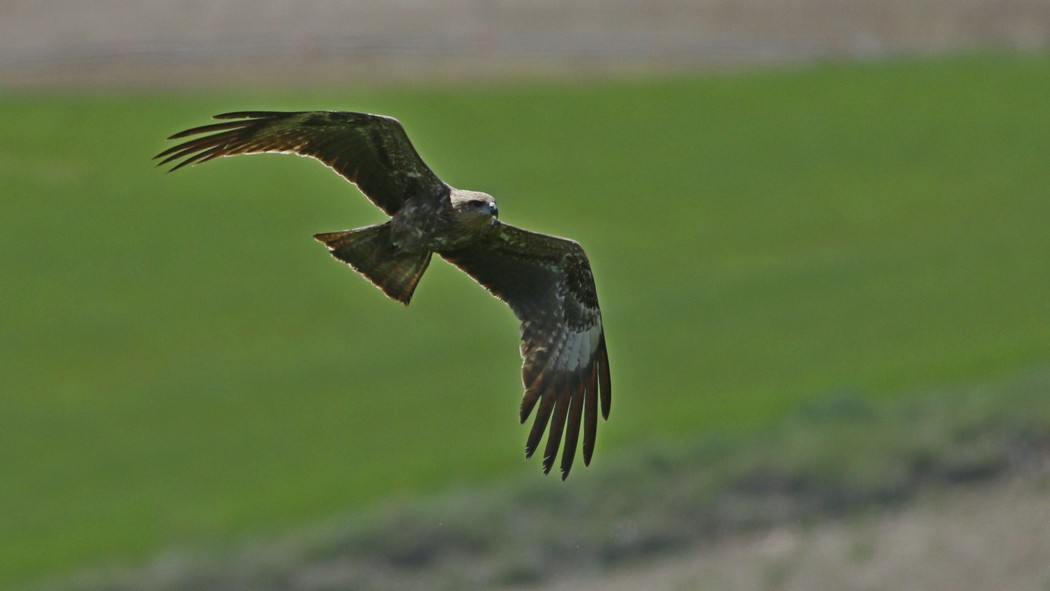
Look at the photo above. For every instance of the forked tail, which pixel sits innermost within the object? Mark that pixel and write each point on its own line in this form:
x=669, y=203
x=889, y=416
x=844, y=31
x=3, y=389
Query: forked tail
x=370, y=252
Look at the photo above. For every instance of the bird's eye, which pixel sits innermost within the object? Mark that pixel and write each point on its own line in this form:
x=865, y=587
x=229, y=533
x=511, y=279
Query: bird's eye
x=476, y=203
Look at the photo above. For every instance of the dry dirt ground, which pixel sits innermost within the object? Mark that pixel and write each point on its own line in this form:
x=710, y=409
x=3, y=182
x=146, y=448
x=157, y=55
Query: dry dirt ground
x=167, y=43
x=992, y=536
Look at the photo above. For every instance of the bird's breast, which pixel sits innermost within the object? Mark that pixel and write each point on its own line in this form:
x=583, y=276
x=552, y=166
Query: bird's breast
x=415, y=231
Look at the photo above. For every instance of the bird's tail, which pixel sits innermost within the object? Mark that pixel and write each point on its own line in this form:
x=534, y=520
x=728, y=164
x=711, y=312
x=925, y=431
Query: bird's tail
x=371, y=252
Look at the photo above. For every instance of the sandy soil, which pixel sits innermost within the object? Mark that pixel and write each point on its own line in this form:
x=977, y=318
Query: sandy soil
x=993, y=536
x=236, y=42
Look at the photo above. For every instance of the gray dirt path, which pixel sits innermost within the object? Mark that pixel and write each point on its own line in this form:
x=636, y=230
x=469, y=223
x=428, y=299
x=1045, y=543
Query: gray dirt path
x=235, y=42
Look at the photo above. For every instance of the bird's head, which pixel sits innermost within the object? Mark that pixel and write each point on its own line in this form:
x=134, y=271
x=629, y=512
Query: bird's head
x=474, y=207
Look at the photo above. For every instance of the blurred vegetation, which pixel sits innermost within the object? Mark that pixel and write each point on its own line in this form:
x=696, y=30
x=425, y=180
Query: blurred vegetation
x=182, y=365
x=843, y=453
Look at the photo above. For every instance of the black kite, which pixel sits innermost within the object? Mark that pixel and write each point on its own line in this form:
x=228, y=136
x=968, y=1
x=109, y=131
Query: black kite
x=545, y=280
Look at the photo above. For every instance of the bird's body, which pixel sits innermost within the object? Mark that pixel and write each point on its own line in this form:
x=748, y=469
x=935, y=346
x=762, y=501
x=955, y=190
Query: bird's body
x=546, y=280
x=467, y=217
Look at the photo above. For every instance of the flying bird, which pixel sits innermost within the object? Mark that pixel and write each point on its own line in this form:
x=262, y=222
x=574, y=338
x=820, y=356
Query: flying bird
x=545, y=280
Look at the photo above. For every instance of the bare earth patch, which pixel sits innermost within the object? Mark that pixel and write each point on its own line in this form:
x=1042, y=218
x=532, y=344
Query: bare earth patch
x=232, y=43
x=990, y=536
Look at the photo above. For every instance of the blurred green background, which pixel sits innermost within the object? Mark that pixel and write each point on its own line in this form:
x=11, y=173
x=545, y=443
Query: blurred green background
x=182, y=365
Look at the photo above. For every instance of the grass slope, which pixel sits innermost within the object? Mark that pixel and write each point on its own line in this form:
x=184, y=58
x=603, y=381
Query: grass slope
x=843, y=455
x=181, y=363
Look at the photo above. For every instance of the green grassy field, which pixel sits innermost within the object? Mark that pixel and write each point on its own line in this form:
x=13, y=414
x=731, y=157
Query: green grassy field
x=181, y=364
x=844, y=457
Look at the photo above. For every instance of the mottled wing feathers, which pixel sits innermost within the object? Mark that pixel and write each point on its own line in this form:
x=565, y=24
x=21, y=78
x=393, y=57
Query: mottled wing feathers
x=547, y=282
x=371, y=151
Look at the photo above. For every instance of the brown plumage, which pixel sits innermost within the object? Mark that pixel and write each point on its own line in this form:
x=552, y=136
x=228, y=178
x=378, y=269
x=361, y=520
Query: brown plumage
x=545, y=280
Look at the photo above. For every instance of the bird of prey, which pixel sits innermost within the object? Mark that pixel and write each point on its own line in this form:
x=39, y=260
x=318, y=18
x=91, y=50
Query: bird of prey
x=545, y=280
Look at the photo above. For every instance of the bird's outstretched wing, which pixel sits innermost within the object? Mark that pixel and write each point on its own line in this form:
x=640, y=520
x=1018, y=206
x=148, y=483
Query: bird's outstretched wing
x=547, y=281
x=371, y=151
